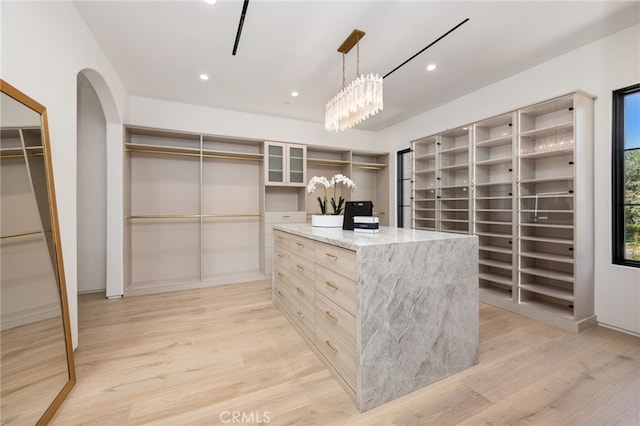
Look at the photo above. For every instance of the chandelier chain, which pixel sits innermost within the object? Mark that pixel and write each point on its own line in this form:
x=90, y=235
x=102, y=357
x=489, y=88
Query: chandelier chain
x=343, y=72
x=357, y=59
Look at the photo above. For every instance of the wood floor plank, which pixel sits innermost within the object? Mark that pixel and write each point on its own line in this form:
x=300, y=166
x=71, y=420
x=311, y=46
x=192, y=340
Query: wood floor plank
x=194, y=357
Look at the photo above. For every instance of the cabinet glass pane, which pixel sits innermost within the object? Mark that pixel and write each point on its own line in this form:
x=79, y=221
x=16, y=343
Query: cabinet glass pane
x=276, y=163
x=296, y=165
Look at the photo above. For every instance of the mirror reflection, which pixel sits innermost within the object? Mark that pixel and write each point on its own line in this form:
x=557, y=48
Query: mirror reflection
x=34, y=365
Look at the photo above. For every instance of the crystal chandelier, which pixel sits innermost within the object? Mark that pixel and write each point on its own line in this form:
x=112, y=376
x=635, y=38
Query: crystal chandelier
x=359, y=100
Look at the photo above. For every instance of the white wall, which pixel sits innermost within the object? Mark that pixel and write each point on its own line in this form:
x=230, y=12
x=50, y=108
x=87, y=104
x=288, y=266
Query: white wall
x=193, y=118
x=598, y=68
x=92, y=190
x=43, y=47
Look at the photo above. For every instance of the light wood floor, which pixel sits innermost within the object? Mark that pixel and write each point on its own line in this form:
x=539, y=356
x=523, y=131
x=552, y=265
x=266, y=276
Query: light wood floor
x=193, y=357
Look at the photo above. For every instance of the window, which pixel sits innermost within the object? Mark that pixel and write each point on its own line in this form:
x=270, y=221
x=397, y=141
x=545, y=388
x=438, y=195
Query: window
x=626, y=176
x=404, y=189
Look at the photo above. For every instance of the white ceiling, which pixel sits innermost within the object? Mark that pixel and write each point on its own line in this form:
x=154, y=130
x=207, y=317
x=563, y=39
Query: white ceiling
x=159, y=48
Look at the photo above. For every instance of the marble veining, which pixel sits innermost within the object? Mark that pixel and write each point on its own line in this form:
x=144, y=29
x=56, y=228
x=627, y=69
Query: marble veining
x=417, y=307
x=418, y=316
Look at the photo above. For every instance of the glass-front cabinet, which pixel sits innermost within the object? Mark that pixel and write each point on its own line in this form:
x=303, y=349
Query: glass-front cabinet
x=285, y=164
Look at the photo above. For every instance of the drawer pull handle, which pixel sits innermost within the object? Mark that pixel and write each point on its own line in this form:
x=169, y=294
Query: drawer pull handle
x=333, y=349
x=300, y=290
x=330, y=316
x=286, y=217
x=331, y=286
x=300, y=244
x=280, y=237
x=300, y=267
x=300, y=314
x=280, y=275
x=280, y=256
x=333, y=256
x=280, y=293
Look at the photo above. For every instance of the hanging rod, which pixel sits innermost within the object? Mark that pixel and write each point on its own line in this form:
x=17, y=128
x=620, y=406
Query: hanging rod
x=188, y=216
x=12, y=156
x=327, y=164
x=20, y=234
x=191, y=154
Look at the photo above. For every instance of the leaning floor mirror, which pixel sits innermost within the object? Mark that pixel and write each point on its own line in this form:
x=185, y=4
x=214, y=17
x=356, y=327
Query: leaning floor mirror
x=37, y=369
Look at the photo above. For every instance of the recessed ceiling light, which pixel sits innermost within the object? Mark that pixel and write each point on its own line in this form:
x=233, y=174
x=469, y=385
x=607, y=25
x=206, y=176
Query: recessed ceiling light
x=431, y=67
x=204, y=77
x=210, y=1
x=294, y=94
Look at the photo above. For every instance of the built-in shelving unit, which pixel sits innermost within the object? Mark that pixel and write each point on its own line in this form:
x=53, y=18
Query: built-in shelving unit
x=369, y=170
x=529, y=202
x=200, y=209
x=194, y=204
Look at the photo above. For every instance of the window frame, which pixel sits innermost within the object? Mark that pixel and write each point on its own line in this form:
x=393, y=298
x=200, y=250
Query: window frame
x=618, y=176
x=400, y=187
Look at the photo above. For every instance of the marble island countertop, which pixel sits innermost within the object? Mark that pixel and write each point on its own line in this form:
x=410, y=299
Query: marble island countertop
x=353, y=241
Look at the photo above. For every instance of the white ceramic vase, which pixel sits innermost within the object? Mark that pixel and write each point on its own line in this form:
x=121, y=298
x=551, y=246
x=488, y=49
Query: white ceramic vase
x=327, y=221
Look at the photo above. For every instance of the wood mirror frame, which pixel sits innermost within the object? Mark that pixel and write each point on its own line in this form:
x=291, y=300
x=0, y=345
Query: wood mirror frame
x=24, y=377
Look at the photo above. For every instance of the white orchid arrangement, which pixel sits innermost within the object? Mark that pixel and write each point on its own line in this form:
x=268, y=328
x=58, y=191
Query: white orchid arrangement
x=333, y=183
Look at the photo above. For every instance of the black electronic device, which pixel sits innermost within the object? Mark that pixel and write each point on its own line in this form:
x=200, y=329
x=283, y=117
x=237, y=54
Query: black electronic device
x=355, y=208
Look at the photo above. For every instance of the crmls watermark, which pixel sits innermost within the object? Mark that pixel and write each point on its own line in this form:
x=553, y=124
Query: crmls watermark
x=245, y=417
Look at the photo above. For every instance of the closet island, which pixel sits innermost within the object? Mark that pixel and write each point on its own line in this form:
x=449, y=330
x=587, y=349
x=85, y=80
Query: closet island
x=388, y=313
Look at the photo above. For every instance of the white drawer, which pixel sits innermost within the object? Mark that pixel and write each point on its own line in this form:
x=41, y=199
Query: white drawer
x=337, y=259
x=337, y=353
x=285, y=217
x=336, y=319
x=337, y=288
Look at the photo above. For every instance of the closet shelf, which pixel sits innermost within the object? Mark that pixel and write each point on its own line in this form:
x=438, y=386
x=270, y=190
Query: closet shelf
x=501, y=140
x=547, y=154
x=493, y=161
x=547, y=179
x=547, y=290
x=548, y=273
x=547, y=256
x=495, y=264
x=547, y=131
x=496, y=278
x=496, y=249
x=547, y=240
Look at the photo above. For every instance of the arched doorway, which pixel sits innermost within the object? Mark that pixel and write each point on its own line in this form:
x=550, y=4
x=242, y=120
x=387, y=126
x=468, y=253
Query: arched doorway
x=99, y=187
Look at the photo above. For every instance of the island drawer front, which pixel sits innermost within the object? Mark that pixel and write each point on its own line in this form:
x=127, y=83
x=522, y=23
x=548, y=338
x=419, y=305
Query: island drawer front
x=300, y=290
x=279, y=238
x=301, y=314
x=281, y=295
x=337, y=259
x=304, y=316
x=299, y=245
x=337, y=353
x=337, y=288
x=336, y=319
x=282, y=257
x=303, y=269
